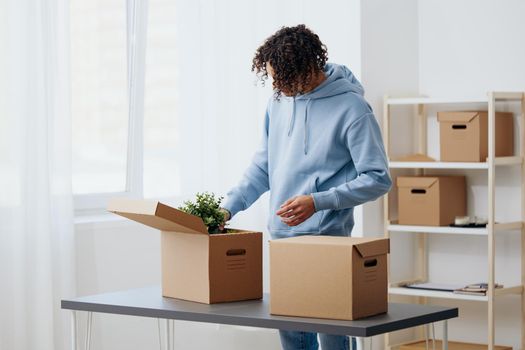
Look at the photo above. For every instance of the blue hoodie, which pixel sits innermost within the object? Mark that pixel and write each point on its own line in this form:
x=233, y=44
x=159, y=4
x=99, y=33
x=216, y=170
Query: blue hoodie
x=326, y=143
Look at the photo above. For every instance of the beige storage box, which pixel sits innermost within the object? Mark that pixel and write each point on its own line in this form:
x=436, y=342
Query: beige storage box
x=342, y=278
x=197, y=266
x=452, y=345
x=464, y=136
x=431, y=200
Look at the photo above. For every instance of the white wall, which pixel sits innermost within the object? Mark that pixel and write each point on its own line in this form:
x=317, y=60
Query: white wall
x=468, y=47
x=219, y=114
x=389, y=51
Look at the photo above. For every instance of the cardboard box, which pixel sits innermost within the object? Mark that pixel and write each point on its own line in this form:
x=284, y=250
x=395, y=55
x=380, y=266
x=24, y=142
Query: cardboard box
x=342, y=278
x=464, y=136
x=452, y=345
x=431, y=200
x=197, y=266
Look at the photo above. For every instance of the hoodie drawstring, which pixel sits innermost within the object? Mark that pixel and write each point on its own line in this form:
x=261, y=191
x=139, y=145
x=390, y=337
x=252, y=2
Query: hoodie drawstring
x=339, y=80
x=292, y=118
x=306, y=127
x=292, y=121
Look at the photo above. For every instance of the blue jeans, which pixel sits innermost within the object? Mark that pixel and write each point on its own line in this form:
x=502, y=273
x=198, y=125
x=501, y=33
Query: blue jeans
x=293, y=340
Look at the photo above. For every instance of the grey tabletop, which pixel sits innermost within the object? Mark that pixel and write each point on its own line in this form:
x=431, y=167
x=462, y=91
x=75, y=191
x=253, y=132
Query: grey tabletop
x=148, y=302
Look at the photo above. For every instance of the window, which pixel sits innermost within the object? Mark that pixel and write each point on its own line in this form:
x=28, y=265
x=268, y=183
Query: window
x=99, y=95
x=161, y=137
x=107, y=70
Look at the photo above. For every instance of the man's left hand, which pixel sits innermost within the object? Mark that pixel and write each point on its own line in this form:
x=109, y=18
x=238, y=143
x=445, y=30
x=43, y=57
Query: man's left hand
x=296, y=210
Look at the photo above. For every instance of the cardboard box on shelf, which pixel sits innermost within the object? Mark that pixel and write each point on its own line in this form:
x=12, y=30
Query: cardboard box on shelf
x=331, y=277
x=431, y=200
x=197, y=266
x=464, y=135
x=452, y=345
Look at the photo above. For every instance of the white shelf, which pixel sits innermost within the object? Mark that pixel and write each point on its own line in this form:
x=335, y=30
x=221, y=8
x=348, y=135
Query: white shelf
x=500, y=161
x=499, y=96
x=434, y=294
x=432, y=100
x=437, y=229
x=516, y=290
x=508, y=226
x=437, y=165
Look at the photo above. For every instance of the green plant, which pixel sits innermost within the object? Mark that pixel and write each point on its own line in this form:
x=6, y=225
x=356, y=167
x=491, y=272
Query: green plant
x=207, y=207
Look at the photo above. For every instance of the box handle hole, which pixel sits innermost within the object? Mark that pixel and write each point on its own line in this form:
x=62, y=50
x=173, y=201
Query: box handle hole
x=459, y=126
x=233, y=252
x=418, y=191
x=370, y=262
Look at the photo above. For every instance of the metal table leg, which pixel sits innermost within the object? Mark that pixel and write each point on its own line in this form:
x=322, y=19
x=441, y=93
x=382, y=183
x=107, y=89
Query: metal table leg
x=169, y=334
x=89, y=327
x=433, y=337
x=172, y=334
x=426, y=337
x=445, y=335
x=360, y=342
x=160, y=333
x=73, y=330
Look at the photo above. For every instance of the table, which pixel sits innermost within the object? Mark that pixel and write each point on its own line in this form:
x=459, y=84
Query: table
x=148, y=302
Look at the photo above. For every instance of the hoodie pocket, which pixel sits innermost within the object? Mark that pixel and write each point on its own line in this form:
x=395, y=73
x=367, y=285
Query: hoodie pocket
x=303, y=185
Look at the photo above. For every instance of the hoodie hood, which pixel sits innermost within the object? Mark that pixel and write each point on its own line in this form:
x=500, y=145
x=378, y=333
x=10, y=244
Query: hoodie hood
x=339, y=80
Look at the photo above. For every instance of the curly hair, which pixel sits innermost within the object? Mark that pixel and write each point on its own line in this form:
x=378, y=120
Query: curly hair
x=296, y=56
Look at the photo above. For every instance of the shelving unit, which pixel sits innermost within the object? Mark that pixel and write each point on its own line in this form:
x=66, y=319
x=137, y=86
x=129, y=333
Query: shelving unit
x=421, y=232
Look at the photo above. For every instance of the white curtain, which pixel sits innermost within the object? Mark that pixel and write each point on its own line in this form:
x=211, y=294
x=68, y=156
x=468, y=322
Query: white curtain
x=36, y=221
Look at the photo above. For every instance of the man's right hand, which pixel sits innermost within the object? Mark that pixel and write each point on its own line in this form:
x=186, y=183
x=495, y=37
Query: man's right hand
x=227, y=217
x=226, y=214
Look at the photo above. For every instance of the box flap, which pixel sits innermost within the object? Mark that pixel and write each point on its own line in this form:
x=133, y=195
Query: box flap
x=459, y=117
x=416, y=181
x=373, y=247
x=157, y=215
x=322, y=240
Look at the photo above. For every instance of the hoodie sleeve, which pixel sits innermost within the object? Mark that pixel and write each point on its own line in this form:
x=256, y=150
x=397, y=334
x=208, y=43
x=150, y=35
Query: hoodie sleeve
x=363, y=139
x=254, y=181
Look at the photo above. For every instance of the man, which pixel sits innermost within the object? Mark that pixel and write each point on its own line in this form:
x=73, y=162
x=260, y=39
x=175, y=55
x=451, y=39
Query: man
x=321, y=153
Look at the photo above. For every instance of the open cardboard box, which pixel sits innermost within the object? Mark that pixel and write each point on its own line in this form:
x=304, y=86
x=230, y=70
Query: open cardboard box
x=196, y=265
x=342, y=278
